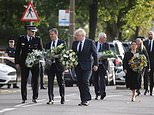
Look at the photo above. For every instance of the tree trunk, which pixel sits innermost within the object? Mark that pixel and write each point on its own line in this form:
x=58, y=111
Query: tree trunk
x=93, y=9
x=137, y=31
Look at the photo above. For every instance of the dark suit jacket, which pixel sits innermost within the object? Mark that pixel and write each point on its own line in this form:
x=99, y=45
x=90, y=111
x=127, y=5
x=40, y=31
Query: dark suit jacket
x=151, y=54
x=85, y=56
x=105, y=47
x=24, y=47
x=59, y=65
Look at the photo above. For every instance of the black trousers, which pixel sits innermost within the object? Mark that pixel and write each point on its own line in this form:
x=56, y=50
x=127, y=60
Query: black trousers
x=146, y=78
x=24, y=78
x=99, y=80
x=52, y=72
x=151, y=75
x=41, y=75
x=83, y=77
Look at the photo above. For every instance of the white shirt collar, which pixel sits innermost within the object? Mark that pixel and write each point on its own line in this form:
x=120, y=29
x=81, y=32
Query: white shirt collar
x=56, y=41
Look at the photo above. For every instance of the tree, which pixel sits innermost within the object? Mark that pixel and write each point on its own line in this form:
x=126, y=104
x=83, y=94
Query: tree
x=139, y=18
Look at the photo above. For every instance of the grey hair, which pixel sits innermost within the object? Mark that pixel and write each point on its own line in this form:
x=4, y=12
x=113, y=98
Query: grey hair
x=102, y=34
x=140, y=40
x=80, y=31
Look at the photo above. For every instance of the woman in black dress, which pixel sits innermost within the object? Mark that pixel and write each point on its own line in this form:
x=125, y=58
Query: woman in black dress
x=132, y=81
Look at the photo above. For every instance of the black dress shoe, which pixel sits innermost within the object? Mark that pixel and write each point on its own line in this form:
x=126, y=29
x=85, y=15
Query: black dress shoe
x=23, y=101
x=43, y=88
x=62, y=100
x=102, y=96
x=8, y=86
x=34, y=101
x=138, y=92
x=146, y=91
x=50, y=102
x=150, y=94
x=80, y=104
x=15, y=86
x=96, y=98
x=85, y=103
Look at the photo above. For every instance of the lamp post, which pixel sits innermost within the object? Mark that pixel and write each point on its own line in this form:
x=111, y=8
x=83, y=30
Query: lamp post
x=72, y=22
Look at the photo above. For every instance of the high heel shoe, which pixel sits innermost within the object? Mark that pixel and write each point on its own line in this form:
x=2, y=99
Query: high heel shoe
x=146, y=91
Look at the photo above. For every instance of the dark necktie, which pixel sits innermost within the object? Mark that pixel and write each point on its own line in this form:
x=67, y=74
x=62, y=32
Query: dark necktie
x=80, y=47
x=30, y=39
x=150, y=45
x=53, y=44
x=100, y=48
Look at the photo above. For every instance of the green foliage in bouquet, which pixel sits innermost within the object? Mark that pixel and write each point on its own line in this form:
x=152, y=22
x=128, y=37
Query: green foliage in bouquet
x=106, y=54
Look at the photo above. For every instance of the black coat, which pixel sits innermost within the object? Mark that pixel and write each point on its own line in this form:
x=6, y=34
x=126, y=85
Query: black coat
x=59, y=65
x=105, y=47
x=132, y=77
x=88, y=54
x=151, y=54
x=24, y=47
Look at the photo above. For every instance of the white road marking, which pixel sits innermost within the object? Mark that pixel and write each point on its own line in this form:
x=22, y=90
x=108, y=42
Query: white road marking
x=108, y=96
x=114, y=95
x=34, y=104
x=19, y=105
x=7, y=109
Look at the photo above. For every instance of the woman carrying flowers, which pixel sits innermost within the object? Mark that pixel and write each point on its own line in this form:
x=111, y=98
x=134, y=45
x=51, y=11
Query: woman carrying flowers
x=133, y=63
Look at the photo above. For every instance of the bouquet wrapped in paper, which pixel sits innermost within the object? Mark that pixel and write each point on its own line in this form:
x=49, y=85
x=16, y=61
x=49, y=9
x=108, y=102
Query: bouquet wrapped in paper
x=105, y=54
x=33, y=58
x=69, y=59
x=138, y=62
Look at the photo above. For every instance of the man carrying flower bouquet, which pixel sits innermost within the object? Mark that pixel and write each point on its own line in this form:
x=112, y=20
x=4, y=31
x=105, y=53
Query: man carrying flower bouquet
x=85, y=49
x=26, y=44
x=55, y=67
x=99, y=75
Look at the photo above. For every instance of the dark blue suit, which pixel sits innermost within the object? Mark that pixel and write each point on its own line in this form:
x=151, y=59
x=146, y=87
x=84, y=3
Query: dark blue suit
x=84, y=67
x=99, y=75
x=151, y=58
x=57, y=69
x=23, y=47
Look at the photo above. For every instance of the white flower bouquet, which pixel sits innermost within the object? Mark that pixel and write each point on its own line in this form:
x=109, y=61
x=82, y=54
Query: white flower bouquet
x=33, y=58
x=69, y=59
x=53, y=53
x=105, y=54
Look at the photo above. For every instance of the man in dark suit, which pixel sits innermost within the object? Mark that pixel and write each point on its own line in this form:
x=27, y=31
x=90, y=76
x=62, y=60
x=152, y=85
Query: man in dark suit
x=55, y=69
x=85, y=49
x=149, y=44
x=25, y=44
x=99, y=75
